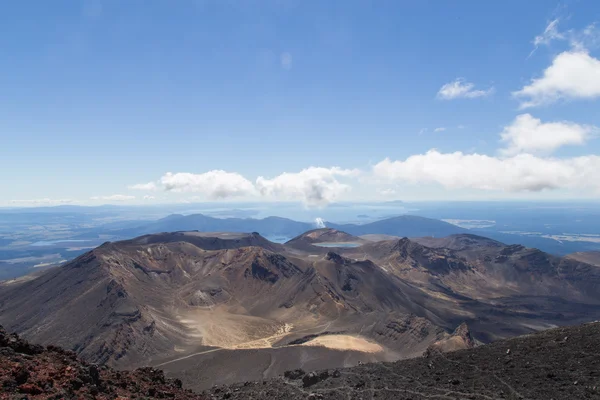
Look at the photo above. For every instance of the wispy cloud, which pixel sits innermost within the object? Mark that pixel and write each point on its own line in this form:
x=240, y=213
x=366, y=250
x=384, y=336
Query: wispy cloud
x=387, y=192
x=440, y=129
x=460, y=88
x=144, y=186
x=579, y=39
x=286, y=60
x=550, y=33
x=92, y=8
x=114, y=197
x=43, y=201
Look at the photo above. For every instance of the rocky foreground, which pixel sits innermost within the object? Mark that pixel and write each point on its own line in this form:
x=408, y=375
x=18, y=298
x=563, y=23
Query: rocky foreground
x=30, y=371
x=562, y=363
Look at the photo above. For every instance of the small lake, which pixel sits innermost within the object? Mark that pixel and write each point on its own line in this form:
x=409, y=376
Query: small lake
x=53, y=242
x=329, y=244
x=278, y=239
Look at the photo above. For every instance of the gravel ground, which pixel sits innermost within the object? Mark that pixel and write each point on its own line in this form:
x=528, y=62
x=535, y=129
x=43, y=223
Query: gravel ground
x=562, y=363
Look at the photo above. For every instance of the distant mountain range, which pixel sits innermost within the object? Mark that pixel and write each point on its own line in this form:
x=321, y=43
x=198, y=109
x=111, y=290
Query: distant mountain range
x=270, y=226
x=401, y=226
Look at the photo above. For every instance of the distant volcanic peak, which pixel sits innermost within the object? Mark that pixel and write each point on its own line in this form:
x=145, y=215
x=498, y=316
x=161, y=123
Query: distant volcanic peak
x=322, y=235
x=469, y=240
x=207, y=240
x=317, y=233
x=173, y=216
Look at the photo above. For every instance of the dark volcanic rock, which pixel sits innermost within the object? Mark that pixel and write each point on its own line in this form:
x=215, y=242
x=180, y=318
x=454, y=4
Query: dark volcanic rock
x=295, y=374
x=314, y=378
x=561, y=363
x=31, y=372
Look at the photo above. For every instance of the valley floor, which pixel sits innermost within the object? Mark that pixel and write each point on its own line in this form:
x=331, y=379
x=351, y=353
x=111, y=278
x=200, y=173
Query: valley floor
x=562, y=363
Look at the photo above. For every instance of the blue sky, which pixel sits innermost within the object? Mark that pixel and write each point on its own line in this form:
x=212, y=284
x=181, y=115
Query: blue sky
x=239, y=99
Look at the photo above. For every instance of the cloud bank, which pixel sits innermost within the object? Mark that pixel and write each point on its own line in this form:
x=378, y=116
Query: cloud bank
x=522, y=172
x=314, y=186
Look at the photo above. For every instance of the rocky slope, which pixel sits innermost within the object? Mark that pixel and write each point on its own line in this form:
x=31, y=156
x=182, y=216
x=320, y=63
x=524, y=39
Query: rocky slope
x=562, y=363
x=228, y=307
x=508, y=288
x=590, y=257
x=178, y=299
x=34, y=372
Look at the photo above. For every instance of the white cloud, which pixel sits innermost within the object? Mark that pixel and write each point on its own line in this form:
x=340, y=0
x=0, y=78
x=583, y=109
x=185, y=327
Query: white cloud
x=460, y=88
x=44, y=201
x=522, y=172
x=286, y=60
x=572, y=75
x=440, y=129
x=422, y=131
x=314, y=186
x=144, y=186
x=516, y=169
x=529, y=134
x=215, y=184
x=114, y=197
x=461, y=126
x=149, y=197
